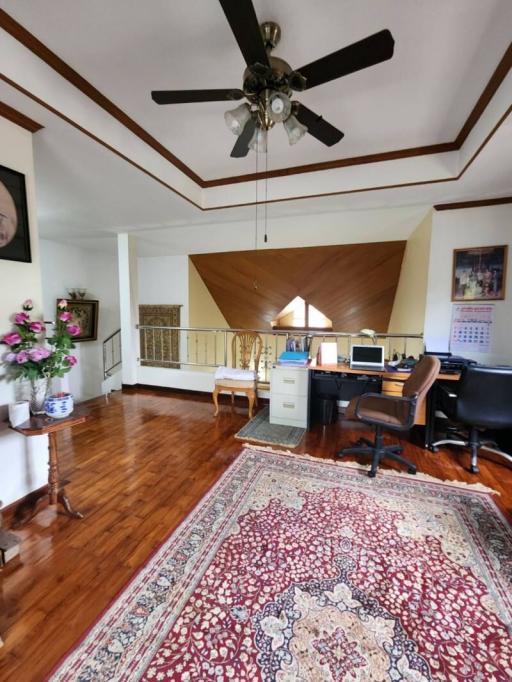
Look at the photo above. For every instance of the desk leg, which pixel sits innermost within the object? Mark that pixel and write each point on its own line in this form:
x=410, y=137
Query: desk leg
x=55, y=492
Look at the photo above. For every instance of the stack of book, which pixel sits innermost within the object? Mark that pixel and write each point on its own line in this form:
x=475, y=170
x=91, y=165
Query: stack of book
x=293, y=358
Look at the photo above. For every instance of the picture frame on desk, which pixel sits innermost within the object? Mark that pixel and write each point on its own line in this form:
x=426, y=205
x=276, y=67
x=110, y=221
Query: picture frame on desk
x=479, y=274
x=14, y=227
x=85, y=313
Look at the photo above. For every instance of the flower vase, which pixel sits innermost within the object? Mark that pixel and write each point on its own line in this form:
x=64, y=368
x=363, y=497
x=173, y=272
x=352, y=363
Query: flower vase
x=39, y=391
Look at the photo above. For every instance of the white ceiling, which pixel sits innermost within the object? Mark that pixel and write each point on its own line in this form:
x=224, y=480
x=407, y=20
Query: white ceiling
x=86, y=194
x=445, y=52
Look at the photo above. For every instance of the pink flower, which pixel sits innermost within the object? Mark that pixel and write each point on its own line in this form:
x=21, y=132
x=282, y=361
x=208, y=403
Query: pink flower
x=35, y=354
x=36, y=327
x=22, y=357
x=62, y=304
x=65, y=317
x=28, y=305
x=21, y=318
x=12, y=339
x=73, y=329
x=71, y=360
x=9, y=357
x=38, y=353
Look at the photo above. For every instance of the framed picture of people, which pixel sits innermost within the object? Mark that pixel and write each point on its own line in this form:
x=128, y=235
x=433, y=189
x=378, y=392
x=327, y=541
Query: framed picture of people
x=14, y=230
x=479, y=274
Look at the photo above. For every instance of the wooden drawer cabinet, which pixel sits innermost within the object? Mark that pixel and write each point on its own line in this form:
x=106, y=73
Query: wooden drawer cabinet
x=289, y=396
x=392, y=387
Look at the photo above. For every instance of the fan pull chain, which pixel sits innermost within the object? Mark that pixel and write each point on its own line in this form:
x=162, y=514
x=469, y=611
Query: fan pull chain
x=265, y=237
x=256, y=207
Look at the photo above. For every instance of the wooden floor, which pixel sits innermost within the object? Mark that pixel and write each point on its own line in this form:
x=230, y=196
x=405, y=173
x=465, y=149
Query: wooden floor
x=136, y=469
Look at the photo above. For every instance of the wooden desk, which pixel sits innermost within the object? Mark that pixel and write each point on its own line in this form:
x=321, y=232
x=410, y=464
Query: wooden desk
x=392, y=384
x=38, y=426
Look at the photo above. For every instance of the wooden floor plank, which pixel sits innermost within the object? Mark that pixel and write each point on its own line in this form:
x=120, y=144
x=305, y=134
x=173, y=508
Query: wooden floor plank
x=136, y=469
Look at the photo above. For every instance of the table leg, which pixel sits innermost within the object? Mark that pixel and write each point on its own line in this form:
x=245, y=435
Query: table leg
x=29, y=508
x=64, y=500
x=57, y=494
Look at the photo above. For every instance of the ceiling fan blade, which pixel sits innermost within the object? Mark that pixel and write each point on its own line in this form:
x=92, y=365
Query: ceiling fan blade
x=366, y=52
x=241, y=147
x=246, y=29
x=184, y=96
x=322, y=130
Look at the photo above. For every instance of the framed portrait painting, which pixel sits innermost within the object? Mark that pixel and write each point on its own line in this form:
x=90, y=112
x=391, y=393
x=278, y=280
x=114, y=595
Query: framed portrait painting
x=85, y=314
x=479, y=274
x=14, y=230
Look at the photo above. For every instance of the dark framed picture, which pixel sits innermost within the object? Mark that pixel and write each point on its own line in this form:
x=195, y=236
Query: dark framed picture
x=14, y=231
x=85, y=314
x=479, y=274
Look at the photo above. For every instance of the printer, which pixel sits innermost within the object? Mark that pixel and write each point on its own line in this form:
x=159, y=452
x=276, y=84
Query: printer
x=451, y=364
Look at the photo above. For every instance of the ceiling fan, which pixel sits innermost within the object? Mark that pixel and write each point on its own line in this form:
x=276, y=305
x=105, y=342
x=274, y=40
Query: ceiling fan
x=269, y=82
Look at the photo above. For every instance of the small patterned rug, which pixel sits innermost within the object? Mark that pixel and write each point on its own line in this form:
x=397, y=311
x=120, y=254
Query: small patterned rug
x=295, y=568
x=260, y=430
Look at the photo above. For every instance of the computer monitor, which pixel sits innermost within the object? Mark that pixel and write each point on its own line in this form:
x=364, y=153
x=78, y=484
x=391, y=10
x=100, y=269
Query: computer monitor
x=367, y=357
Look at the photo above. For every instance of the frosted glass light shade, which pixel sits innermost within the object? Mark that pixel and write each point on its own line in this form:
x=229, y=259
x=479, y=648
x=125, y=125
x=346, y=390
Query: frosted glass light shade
x=258, y=141
x=294, y=129
x=279, y=107
x=237, y=118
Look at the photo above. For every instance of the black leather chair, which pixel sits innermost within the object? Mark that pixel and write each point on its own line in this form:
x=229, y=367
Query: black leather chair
x=391, y=412
x=481, y=400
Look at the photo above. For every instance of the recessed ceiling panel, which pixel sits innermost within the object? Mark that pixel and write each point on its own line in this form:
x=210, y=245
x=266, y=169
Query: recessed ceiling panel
x=445, y=53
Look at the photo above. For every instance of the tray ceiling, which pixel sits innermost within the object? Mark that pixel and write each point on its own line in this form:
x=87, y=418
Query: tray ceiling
x=420, y=97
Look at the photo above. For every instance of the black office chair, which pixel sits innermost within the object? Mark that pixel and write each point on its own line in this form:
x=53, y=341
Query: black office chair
x=481, y=400
x=391, y=412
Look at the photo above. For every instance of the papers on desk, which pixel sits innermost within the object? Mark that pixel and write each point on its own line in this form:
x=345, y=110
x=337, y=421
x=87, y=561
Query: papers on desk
x=293, y=359
x=327, y=353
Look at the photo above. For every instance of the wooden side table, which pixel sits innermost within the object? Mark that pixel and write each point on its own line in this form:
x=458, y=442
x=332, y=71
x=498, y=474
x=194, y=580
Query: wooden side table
x=38, y=426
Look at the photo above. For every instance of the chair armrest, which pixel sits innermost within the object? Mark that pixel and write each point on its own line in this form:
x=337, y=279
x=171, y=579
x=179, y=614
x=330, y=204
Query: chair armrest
x=408, y=400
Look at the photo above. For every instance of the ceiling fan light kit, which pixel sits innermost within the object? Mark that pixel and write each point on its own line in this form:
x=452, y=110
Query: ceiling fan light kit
x=258, y=141
x=294, y=129
x=269, y=82
x=237, y=118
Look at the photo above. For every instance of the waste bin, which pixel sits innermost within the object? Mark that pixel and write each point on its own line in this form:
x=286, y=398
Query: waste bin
x=326, y=408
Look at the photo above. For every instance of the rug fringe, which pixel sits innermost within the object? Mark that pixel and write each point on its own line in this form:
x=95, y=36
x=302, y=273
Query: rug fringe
x=257, y=440
x=477, y=487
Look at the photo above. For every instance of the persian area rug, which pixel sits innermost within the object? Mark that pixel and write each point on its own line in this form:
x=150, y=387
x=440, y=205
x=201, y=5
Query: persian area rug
x=259, y=429
x=300, y=569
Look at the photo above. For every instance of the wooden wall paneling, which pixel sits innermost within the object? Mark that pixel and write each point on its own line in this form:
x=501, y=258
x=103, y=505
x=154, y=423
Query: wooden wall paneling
x=353, y=284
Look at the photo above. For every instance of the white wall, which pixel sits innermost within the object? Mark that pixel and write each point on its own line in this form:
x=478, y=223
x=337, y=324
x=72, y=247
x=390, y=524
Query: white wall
x=64, y=267
x=23, y=461
x=164, y=280
x=455, y=229
x=308, y=228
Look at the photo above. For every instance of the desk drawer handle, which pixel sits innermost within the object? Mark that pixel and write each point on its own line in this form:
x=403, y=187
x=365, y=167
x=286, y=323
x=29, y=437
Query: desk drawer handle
x=289, y=405
x=288, y=381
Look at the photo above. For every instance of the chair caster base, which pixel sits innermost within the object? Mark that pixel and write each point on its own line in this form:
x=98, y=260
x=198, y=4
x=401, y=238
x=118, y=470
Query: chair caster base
x=412, y=471
x=474, y=469
x=372, y=474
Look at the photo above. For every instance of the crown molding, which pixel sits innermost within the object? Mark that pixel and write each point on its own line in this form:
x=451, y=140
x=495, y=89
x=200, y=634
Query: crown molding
x=17, y=31
x=38, y=48
x=20, y=119
x=476, y=203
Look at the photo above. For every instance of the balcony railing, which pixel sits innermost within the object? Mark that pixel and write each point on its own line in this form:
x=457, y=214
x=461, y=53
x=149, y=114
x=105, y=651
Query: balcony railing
x=205, y=348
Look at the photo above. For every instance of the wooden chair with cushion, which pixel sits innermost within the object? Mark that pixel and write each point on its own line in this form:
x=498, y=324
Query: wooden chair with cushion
x=247, y=346
x=393, y=413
